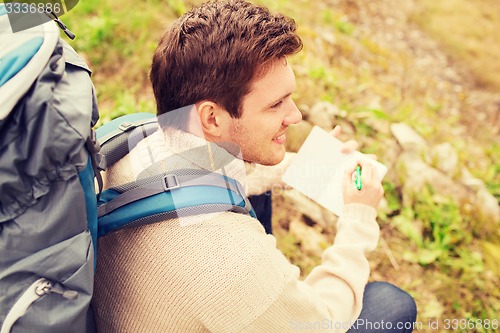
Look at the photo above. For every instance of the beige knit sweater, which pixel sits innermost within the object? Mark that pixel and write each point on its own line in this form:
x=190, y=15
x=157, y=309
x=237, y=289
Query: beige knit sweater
x=221, y=272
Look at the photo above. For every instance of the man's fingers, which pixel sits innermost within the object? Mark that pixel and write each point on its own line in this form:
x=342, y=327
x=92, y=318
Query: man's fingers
x=351, y=167
x=349, y=146
x=371, y=190
x=367, y=173
x=336, y=131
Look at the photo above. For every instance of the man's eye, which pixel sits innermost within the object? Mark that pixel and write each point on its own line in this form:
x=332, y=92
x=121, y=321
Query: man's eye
x=277, y=105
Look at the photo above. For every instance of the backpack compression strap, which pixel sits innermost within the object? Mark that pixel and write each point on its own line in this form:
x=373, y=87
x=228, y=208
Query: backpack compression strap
x=157, y=198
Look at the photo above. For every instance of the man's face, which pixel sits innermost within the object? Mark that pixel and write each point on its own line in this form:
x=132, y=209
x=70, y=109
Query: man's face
x=267, y=111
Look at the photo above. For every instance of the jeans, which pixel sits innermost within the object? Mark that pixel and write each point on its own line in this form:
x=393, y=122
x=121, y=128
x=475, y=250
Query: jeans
x=386, y=308
x=263, y=207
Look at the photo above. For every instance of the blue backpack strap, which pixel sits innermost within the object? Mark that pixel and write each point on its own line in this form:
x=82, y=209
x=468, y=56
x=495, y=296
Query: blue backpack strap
x=118, y=137
x=123, y=124
x=181, y=193
x=164, y=183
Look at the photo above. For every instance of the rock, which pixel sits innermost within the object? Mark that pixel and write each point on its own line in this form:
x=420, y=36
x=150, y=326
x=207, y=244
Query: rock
x=470, y=181
x=407, y=138
x=391, y=152
x=485, y=202
x=433, y=308
x=322, y=120
x=296, y=135
x=445, y=158
x=322, y=114
x=415, y=173
x=348, y=130
x=488, y=205
x=378, y=125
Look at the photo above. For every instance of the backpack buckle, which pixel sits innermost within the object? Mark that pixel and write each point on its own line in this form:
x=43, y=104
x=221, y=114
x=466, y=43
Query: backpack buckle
x=127, y=126
x=171, y=182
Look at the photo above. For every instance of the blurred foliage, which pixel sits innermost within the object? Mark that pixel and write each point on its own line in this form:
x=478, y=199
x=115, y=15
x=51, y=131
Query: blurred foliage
x=469, y=30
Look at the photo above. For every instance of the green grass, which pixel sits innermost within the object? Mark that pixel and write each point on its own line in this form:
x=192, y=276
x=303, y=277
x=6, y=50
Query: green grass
x=118, y=40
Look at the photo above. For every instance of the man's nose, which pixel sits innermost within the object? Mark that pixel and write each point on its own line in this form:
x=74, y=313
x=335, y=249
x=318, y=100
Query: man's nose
x=293, y=116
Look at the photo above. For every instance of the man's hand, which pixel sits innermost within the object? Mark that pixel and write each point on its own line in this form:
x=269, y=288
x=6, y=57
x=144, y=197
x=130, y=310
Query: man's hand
x=371, y=192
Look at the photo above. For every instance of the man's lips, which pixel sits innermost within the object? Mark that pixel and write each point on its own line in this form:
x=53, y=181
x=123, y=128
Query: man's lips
x=280, y=139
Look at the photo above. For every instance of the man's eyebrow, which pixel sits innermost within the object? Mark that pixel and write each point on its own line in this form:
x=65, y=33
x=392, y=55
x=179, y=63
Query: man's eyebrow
x=280, y=99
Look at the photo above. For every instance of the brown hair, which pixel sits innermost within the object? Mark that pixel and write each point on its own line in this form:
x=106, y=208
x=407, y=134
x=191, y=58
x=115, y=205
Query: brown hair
x=214, y=52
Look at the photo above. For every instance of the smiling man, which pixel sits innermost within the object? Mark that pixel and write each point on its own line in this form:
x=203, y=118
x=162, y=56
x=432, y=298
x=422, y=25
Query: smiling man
x=221, y=72
x=266, y=111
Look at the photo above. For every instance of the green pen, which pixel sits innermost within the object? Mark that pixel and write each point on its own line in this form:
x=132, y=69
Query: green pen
x=357, y=179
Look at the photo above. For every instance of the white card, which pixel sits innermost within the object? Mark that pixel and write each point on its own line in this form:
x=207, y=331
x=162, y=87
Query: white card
x=319, y=166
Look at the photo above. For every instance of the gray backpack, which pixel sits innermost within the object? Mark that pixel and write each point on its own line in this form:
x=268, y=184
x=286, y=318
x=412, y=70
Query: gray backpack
x=50, y=216
x=47, y=110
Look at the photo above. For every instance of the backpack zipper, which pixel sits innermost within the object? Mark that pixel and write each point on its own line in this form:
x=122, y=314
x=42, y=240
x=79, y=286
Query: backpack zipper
x=38, y=289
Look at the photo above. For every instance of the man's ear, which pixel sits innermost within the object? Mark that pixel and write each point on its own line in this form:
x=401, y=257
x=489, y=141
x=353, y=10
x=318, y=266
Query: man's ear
x=214, y=120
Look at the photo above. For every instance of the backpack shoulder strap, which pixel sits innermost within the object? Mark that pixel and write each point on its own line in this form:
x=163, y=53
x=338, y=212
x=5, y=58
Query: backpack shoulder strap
x=181, y=193
x=117, y=137
x=156, y=198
